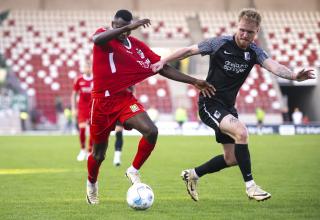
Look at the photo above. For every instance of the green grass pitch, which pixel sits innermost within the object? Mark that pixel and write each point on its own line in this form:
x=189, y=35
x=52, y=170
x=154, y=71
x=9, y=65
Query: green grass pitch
x=41, y=179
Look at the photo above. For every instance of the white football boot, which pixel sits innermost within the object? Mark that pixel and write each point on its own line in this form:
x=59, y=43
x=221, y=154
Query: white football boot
x=82, y=155
x=255, y=192
x=92, y=193
x=117, y=158
x=133, y=177
x=190, y=180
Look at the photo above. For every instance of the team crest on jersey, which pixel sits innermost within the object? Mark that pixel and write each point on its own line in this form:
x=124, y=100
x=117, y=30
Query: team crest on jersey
x=141, y=54
x=217, y=114
x=145, y=64
x=134, y=108
x=246, y=55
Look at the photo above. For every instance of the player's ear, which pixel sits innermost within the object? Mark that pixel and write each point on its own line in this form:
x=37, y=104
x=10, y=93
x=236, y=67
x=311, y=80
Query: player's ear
x=258, y=29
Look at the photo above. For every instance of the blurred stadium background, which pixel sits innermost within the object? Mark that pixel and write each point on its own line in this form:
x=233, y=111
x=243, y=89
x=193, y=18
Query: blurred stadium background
x=43, y=44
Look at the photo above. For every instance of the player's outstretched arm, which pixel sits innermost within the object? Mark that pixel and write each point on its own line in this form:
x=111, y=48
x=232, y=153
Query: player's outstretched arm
x=177, y=55
x=171, y=73
x=108, y=35
x=284, y=72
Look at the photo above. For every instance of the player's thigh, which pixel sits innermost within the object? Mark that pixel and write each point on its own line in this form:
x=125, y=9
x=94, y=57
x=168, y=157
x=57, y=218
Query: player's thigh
x=141, y=122
x=232, y=126
x=102, y=122
x=83, y=116
x=133, y=116
x=212, y=114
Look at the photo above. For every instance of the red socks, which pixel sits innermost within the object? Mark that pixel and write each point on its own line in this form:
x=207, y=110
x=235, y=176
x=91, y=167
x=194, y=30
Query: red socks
x=144, y=151
x=82, y=138
x=93, y=169
x=82, y=135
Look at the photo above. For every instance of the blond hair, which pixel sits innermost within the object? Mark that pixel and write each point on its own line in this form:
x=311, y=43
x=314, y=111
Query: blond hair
x=250, y=14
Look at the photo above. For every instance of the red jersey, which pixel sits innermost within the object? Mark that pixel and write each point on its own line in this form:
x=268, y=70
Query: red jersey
x=83, y=86
x=117, y=66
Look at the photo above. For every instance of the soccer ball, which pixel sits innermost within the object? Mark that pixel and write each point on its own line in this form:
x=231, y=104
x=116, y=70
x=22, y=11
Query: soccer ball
x=140, y=196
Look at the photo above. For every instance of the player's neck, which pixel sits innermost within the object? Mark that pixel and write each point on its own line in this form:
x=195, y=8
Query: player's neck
x=125, y=42
x=87, y=77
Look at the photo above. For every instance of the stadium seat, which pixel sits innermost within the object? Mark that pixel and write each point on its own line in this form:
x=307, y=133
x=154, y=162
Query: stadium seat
x=155, y=93
x=294, y=36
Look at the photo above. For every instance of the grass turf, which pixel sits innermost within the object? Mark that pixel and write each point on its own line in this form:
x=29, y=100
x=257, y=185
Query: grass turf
x=41, y=179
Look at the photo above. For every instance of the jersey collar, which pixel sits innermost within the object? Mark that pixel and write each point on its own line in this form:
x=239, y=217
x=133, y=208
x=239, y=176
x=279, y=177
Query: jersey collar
x=129, y=42
x=88, y=78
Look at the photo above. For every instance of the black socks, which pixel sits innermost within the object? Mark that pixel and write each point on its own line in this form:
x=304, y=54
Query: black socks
x=242, y=154
x=119, y=141
x=217, y=163
x=214, y=165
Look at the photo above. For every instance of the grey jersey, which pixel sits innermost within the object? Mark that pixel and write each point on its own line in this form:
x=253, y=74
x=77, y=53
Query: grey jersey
x=229, y=66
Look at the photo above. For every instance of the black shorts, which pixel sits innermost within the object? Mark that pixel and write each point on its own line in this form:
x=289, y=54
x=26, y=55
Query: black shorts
x=212, y=113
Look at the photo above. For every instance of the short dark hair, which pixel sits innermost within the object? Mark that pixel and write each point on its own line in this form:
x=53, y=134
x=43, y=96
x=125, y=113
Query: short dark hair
x=124, y=14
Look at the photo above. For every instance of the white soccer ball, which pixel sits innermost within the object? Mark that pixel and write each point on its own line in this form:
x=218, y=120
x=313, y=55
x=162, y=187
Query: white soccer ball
x=140, y=196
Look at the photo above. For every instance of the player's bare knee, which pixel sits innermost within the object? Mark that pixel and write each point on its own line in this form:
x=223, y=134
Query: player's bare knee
x=242, y=136
x=151, y=134
x=99, y=157
x=99, y=151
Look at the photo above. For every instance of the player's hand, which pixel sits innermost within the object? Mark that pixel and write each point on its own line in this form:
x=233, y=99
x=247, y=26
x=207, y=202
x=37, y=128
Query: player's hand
x=142, y=22
x=156, y=67
x=305, y=75
x=206, y=88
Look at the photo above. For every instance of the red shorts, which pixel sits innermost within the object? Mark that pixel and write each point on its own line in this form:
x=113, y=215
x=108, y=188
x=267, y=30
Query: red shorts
x=106, y=111
x=83, y=115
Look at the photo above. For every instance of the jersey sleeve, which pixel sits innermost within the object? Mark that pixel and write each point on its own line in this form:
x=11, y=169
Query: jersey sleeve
x=148, y=52
x=261, y=54
x=100, y=30
x=211, y=45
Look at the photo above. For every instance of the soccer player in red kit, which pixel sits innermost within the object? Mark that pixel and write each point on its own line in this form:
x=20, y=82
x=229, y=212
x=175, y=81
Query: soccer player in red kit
x=80, y=106
x=120, y=61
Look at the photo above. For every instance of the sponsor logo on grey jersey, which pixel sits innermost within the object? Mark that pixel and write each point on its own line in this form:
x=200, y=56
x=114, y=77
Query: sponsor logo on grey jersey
x=235, y=67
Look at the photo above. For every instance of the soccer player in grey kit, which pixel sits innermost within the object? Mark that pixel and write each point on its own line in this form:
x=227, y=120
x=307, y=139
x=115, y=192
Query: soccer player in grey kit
x=231, y=60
